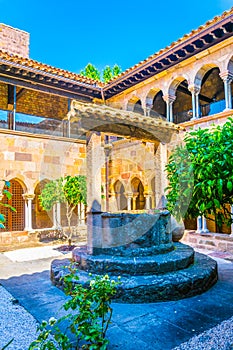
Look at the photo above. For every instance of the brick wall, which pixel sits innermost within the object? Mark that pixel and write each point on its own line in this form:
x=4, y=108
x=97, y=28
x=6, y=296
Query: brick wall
x=14, y=40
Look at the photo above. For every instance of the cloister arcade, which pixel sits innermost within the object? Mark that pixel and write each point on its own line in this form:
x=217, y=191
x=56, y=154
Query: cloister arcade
x=205, y=91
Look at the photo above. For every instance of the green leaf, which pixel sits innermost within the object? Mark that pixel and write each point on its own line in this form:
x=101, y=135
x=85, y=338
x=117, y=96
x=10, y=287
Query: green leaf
x=229, y=185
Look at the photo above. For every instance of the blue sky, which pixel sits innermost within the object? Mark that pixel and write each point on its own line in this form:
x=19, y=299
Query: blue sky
x=69, y=34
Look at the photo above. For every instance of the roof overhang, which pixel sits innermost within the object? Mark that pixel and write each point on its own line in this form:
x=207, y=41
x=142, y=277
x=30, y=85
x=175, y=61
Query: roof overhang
x=32, y=75
x=215, y=31
x=111, y=121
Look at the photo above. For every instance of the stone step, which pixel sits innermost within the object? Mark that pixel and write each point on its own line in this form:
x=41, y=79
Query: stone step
x=179, y=258
x=193, y=280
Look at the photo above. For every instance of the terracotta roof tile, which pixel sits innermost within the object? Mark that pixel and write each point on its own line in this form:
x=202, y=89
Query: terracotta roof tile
x=29, y=63
x=185, y=37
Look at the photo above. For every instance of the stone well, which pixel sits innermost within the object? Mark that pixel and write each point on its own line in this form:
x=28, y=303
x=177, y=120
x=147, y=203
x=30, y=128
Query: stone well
x=139, y=248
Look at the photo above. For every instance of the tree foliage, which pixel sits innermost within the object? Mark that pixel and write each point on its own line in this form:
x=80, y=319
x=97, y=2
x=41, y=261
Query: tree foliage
x=200, y=174
x=52, y=193
x=5, y=192
x=70, y=190
x=90, y=71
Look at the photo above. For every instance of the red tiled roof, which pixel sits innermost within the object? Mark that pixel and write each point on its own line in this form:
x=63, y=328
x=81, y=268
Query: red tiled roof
x=29, y=63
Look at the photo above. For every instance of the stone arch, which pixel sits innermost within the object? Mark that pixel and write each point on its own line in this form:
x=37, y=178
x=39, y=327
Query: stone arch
x=175, y=83
x=119, y=191
x=230, y=65
x=230, y=70
x=15, y=220
x=138, y=194
x=211, y=95
x=40, y=217
x=202, y=72
x=135, y=105
x=182, y=105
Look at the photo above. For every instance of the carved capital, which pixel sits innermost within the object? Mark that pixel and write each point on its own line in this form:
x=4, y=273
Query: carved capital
x=194, y=89
x=226, y=76
x=28, y=196
x=169, y=98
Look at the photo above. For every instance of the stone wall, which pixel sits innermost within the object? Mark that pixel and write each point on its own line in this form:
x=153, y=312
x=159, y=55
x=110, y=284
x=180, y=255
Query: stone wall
x=211, y=241
x=35, y=103
x=31, y=159
x=14, y=40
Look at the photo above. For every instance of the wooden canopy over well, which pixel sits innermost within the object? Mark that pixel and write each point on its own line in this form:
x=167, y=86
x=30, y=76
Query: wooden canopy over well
x=102, y=118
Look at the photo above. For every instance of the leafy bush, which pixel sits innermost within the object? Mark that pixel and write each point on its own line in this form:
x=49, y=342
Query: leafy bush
x=90, y=321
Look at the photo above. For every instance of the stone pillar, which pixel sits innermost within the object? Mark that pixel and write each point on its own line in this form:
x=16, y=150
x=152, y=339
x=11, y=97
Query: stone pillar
x=199, y=224
x=227, y=78
x=95, y=160
x=135, y=196
x=161, y=181
x=169, y=99
x=107, y=152
x=148, y=197
x=204, y=225
x=129, y=197
x=153, y=203
x=28, y=211
x=195, y=90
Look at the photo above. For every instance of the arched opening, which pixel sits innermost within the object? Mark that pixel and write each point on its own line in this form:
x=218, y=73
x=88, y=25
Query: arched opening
x=15, y=220
x=138, y=194
x=40, y=217
x=159, y=107
x=211, y=96
x=120, y=196
x=138, y=107
x=182, y=106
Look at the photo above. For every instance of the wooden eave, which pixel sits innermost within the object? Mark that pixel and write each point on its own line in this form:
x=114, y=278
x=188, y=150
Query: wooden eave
x=12, y=72
x=208, y=35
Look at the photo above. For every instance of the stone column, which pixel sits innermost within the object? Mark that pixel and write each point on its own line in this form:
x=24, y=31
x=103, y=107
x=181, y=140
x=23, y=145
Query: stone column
x=195, y=90
x=28, y=211
x=95, y=161
x=129, y=197
x=135, y=196
x=161, y=181
x=148, y=197
x=199, y=224
x=169, y=99
x=204, y=225
x=227, y=78
x=107, y=152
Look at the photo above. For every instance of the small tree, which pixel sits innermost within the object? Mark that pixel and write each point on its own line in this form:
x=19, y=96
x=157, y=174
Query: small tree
x=202, y=173
x=75, y=192
x=5, y=192
x=110, y=73
x=52, y=194
x=90, y=71
x=70, y=190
